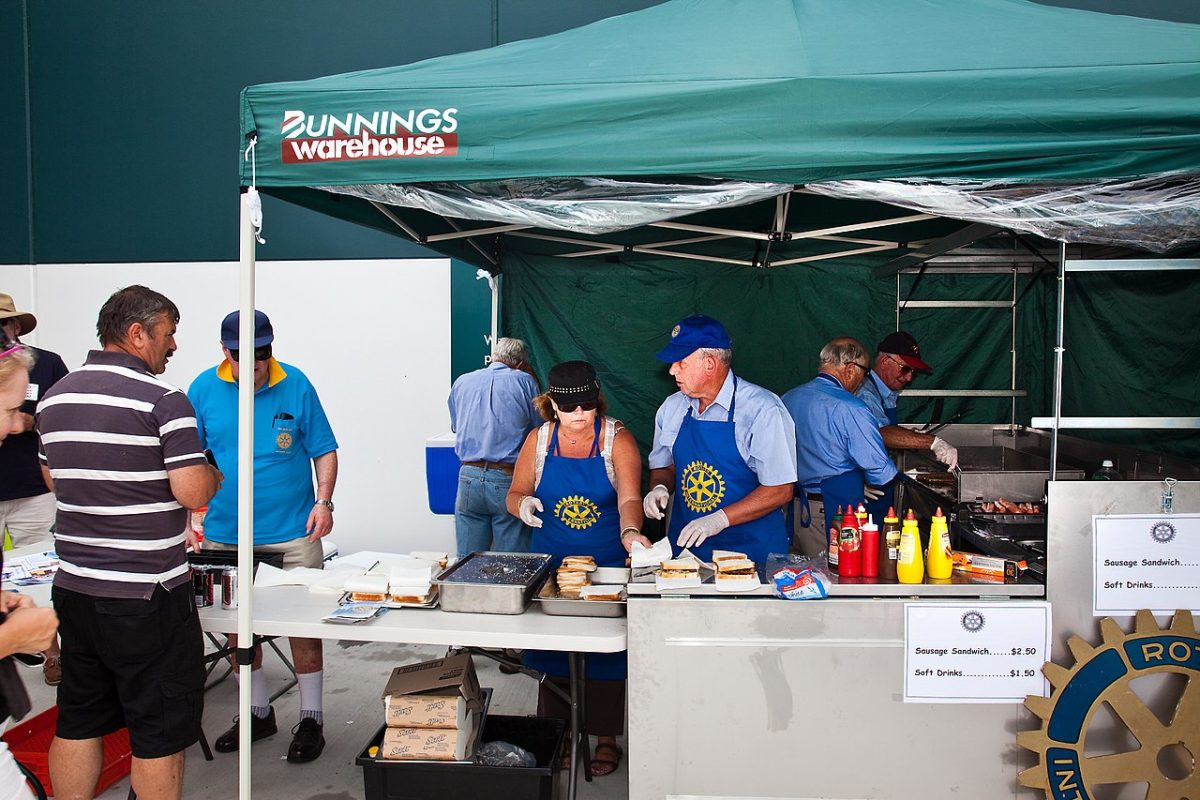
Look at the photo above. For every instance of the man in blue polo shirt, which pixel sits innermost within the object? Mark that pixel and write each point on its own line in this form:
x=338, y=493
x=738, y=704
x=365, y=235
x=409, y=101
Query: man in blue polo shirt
x=292, y=440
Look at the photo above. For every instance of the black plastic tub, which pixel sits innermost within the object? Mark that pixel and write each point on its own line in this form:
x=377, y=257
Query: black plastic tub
x=421, y=780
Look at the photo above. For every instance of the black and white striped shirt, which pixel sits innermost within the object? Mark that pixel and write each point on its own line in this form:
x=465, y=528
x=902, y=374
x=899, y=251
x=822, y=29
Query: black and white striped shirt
x=110, y=432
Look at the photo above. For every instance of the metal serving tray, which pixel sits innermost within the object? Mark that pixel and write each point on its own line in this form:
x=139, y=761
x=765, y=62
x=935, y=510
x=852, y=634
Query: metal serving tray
x=568, y=607
x=492, y=583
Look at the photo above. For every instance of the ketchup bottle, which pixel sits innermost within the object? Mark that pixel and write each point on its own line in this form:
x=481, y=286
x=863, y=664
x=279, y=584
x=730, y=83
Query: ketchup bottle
x=870, y=548
x=850, y=547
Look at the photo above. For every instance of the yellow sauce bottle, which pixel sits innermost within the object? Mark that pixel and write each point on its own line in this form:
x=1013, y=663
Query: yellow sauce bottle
x=938, y=561
x=910, y=567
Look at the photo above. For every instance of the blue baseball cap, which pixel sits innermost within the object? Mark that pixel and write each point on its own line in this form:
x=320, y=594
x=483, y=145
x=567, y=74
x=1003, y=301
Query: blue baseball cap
x=264, y=334
x=692, y=333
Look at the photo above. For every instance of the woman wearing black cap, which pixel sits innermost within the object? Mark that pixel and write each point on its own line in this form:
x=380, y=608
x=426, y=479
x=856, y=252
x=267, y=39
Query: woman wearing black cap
x=581, y=471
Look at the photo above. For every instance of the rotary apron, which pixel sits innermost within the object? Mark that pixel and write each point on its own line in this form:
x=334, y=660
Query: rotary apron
x=878, y=508
x=579, y=518
x=837, y=491
x=712, y=475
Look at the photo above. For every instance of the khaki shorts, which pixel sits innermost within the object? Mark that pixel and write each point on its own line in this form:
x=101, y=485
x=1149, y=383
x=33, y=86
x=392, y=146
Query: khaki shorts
x=296, y=553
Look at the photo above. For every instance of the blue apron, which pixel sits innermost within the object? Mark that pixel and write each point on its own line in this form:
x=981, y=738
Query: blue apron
x=712, y=474
x=580, y=518
x=878, y=508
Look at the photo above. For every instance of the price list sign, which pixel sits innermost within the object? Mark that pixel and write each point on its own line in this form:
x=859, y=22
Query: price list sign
x=987, y=652
x=1145, y=561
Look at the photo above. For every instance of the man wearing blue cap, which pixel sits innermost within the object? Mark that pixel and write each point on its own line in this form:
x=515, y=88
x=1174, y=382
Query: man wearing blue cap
x=292, y=439
x=726, y=446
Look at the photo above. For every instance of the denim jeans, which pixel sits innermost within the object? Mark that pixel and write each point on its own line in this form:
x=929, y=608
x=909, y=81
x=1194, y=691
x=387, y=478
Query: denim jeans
x=481, y=522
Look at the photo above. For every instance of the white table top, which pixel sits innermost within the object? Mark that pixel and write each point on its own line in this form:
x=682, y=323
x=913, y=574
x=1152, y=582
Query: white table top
x=296, y=611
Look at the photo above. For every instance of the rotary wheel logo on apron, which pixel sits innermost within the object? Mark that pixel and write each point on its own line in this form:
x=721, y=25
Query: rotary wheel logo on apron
x=284, y=440
x=576, y=511
x=702, y=486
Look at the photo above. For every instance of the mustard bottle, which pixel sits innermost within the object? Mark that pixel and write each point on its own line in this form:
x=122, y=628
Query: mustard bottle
x=910, y=567
x=938, y=563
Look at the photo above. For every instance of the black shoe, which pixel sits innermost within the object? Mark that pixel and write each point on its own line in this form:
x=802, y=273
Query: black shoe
x=307, y=741
x=227, y=742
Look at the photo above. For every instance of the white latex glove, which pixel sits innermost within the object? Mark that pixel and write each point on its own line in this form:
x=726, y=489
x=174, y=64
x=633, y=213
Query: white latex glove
x=703, y=528
x=655, y=503
x=872, y=493
x=529, y=504
x=946, y=453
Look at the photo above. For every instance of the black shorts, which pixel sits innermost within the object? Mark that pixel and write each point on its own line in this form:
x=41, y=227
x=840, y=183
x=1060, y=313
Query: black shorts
x=131, y=663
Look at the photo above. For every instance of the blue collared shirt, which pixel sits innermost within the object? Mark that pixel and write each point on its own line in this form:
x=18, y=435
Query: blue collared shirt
x=835, y=432
x=878, y=397
x=491, y=411
x=763, y=431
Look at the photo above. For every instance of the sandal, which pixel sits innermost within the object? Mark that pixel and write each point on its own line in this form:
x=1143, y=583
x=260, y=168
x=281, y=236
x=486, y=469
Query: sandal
x=606, y=766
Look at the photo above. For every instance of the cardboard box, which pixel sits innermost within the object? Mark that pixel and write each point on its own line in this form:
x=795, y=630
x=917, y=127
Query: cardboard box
x=442, y=694
x=432, y=744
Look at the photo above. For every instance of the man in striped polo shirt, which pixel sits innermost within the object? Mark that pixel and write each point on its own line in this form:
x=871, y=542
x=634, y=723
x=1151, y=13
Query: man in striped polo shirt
x=121, y=450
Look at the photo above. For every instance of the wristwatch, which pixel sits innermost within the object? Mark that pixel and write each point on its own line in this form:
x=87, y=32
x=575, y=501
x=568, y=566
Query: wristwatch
x=327, y=503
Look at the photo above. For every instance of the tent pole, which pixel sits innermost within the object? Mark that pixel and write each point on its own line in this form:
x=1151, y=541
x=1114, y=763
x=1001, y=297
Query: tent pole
x=245, y=475
x=495, y=286
x=1058, y=355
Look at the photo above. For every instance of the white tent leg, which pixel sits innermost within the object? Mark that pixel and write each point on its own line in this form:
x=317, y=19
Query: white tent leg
x=245, y=474
x=495, y=284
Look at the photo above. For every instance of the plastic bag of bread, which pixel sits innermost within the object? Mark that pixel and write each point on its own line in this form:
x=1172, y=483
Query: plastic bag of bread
x=795, y=577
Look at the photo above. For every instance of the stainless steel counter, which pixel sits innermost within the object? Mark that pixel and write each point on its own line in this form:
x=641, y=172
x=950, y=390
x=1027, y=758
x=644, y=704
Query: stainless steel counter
x=957, y=586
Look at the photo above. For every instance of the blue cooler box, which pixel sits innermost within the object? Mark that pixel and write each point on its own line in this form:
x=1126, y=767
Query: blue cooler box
x=441, y=473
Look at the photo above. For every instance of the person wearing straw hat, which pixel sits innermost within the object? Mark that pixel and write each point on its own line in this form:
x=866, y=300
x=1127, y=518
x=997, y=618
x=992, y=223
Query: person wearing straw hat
x=27, y=505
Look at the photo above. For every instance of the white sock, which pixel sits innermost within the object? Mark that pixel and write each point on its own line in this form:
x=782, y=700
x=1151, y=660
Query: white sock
x=260, y=697
x=311, y=687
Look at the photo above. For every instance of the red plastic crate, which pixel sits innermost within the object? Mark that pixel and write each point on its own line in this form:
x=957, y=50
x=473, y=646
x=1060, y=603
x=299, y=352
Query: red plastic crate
x=30, y=744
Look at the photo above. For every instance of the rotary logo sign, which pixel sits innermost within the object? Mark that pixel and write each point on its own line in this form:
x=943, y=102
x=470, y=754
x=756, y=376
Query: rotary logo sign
x=702, y=486
x=577, y=512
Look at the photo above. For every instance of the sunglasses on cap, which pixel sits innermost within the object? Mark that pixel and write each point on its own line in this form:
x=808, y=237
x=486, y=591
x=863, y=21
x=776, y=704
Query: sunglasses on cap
x=587, y=405
x=260, y=353
x=905, y=369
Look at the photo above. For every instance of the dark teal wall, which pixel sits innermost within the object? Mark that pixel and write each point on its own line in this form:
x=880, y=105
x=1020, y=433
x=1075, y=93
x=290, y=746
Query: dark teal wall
x=133, y=109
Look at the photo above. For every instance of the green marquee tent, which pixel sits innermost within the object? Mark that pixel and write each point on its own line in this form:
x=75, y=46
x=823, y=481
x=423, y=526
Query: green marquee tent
x=763, y=161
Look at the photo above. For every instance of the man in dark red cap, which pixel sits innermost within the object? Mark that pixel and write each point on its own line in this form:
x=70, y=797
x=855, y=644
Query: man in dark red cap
x=897, y=359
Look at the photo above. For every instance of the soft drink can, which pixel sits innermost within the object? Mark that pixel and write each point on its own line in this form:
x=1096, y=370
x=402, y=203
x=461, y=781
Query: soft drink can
x=229, y=588
x=202, y=585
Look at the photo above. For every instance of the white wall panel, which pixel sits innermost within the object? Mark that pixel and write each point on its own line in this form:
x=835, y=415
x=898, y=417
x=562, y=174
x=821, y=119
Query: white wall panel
x=374, y=337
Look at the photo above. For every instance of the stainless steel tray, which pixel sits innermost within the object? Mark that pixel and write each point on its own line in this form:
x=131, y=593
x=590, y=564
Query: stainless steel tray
x=568, y=607
x=492, y=583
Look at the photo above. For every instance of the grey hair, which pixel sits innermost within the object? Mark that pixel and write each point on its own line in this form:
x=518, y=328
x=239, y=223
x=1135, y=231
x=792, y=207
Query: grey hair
x=843, y=350
x=721, y=354
x=510, y=351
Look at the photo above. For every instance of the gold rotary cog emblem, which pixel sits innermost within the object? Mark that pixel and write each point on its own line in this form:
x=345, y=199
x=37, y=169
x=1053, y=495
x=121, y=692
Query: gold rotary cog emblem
x=1163, y=755
x=702, y=486
x=576, y=511
x=283, y=441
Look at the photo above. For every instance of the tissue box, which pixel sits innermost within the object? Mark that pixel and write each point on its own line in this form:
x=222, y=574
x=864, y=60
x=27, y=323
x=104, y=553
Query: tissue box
x=442, y=694
x=433, y=744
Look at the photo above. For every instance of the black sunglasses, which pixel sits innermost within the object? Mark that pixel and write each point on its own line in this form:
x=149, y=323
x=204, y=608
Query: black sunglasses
x=587, y=405
x=905, y=369
x=260, y=353
x=860, y=366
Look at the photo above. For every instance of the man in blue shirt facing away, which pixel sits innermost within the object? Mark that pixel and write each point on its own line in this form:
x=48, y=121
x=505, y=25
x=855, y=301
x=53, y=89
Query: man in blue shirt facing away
x=838, y=446
x=491, y=411
x=292, y=438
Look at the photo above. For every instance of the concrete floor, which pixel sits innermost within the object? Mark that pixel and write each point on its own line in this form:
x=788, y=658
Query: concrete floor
x=354, y=677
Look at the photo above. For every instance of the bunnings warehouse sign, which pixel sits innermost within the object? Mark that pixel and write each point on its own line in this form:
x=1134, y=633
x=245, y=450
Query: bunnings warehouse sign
x=318, y=138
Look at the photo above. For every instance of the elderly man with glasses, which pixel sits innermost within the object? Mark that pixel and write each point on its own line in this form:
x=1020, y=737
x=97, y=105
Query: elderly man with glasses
x=897, y=359
x=292, y=441
x=838, y=446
